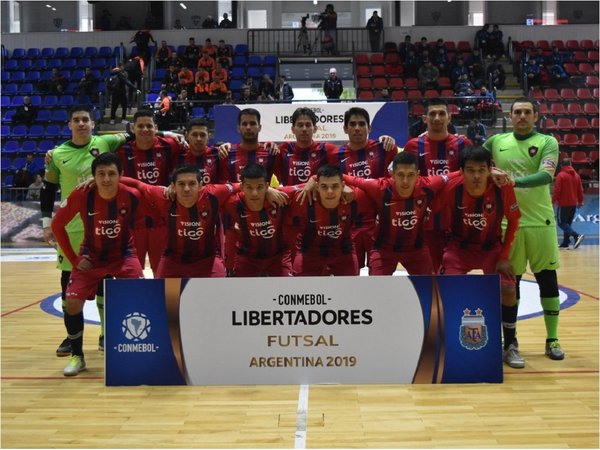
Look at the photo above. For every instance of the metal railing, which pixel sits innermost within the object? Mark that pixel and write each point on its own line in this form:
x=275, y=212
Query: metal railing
x=285, y=41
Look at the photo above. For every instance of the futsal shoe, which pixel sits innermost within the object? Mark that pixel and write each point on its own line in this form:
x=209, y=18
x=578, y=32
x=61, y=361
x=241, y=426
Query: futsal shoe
x=554, y=351
x=101, y=343
x=76, y=365
x=64, y=349
x=578, y=241
x=512, y=357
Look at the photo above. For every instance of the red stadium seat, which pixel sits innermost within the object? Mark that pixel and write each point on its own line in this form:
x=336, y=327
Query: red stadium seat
x=380, y=83
x=543, y=109
x=391, y=58
x=595, y=123
x=411, y=83
x=414, y=95
x=593, y=156
x=549, y=124
x=589, y=140
x=363, y=71
x=579, y=157
x=572, y=44
x=562, y=155
x=580, y=56
x=592, y=56
x=558, y=43
x=378, y=71
x=586, y=69
x=557, y=109
x=398, y=95
x=570, y=140
x=417, y=109
x=390, y=47
x=543, y=44
x=586, y=44
x=450, y=46
x=574, y=109
x=595, y=93
x=586, y=173
x=584, y=94
x=581, y=123
x=396, y=83
x=571, y=69
x=590, y=109
x=564, y=123
x=591, y=80
x=393, y=70
x=361, y=59
x=464, y=46
x=364, y=83
x=453, y=109
x=447, y=93
x=551, y=95
x=431, y=93
x=377, y=59
x=366, y=95
x=537, y=94
x=568, y=94
x=444, y=83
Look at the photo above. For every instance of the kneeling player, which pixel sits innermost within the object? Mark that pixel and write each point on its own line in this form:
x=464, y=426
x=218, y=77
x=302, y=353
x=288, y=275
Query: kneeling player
x=109, y=212
x=475, y=209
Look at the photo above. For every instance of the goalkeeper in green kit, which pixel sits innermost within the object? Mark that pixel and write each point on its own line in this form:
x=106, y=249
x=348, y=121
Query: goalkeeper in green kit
x=531, y=159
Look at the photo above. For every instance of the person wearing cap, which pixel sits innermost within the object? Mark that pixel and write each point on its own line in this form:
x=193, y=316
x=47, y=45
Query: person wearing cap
x=333, y=88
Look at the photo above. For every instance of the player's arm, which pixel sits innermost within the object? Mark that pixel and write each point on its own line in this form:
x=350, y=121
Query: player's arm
x=389, y=143
x=557, y=189
x=63, y=216
x=47, y=196
x=545, y=172
x=512, y=214
x=372, y=187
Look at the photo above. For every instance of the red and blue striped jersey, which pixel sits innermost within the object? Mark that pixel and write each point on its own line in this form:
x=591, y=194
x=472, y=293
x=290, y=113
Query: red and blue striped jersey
x=369, y=162
x=208, y=164
x=298, y=164
x=238, y=158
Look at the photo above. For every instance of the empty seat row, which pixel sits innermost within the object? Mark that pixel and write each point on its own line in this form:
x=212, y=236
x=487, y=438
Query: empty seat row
x=26, y=65
x=564, y=94
x=571, y=44
x=566, y=124
x=566, y=109
x=64, y=52
x=29, y=146
x=36, y=131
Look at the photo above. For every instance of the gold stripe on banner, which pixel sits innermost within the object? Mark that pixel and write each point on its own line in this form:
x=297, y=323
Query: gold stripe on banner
x=172, y=302
x=437, y=298
x=427, y=367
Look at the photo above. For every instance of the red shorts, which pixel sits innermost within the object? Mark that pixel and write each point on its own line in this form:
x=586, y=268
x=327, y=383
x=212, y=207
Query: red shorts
x=416, y=262
x=459, y=261
x=363, y=242
x=275, y=266
x=315, y=265
x=436, y=241
x=211, y=267
x=83, y=284
x=151, y=241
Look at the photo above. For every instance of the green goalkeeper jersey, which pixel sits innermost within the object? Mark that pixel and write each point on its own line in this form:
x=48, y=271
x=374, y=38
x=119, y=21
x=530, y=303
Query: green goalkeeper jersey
x=71, y=164
x=523, y=156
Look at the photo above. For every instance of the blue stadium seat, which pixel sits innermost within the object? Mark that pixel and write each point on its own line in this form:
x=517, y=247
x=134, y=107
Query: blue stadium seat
x=10, y=65
x=53, y=131
x=5, y=131
x=155, y=86
x=18, y=76
x=90, y=52
x=65, y=132
x=8, y=115
x=47, y=52
x=33, y=53
x=66, y=73
x=9, y=89
x=254, y=72
x=61, y=52
x=40, y=64
x=69, y=64
x=5, y=76
x=271, y=71
x=43, y=116
x=77, y=74
x=45, y=145
x=19, y=53
x=36, y=131
x=237, y=73
x=26, y=89
x=18, y=162
x=97, y=73
x=60, y=116
x=76, y=52
x=82, y=99
x=28, y=147
x=46, y=75
x=50, y=101
x=198, y=111
x=5, y=102
x=6, y=164
x=270, y=60
x=84, y=62
x=33, y=76
x=236, y=85
x=10, y=147
x=254, y=60
x=8, y=181
x=241, y=49
x=240, y=60
x=17, y=100
x=54, y=62
x=25, y=64
x=19, y=131
x=99, y=63
x=160, y=73
x=72, y=87
x=105, y=52
x=36, y=100
x=65, y=101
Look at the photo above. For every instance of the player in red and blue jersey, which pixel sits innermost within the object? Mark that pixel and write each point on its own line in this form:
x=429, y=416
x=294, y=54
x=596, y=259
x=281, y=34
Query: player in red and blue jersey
x=438, y=154
x=199, y=153
x=474, y=208
x=109, y=213
x=402, y=203
x=365, y=158
x=254, y=229
x=322, y=230
x=150, y=159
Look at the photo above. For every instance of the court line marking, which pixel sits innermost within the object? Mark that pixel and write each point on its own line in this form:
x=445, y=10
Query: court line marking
x=21, y=308
x=562, y=286
x=51, y=378
x=301, y=417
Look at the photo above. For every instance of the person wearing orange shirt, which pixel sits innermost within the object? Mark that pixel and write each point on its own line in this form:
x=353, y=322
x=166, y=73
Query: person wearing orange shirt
x=206, y=61
x=186, y=79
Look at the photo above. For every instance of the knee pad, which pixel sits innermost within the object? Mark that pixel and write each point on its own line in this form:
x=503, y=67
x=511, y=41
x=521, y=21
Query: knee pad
x=65, y=275
x=548, y=283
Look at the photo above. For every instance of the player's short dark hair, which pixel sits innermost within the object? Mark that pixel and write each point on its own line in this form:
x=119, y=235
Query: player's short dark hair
x=77, y=108
x=304, y=112
x=328, y=171
x=404, y=158
x=356, y=111
x=197, y=122
x=253, y=172
x=248, y=112
x=143, y=113
x=436, y=102
x=524, y=100
x=476, y=154
x=107, y=159
x=185, y=168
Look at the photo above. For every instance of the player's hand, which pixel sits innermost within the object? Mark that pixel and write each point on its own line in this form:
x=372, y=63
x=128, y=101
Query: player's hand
x=49, y=237
x=224, y=150
x=272, y=148
x=180, y=138
x=276, y=197
x=389, y=143
x=87, y=185
x=500, y=177
x=229, y=273
x=347, y=194
x=504, y=267
x=169, y=192
x=48, y=157
x=84, y=263
x=308, y=192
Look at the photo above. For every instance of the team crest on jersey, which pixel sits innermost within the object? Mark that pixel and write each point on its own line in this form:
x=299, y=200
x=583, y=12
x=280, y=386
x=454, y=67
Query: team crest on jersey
x=532, y=150
x=158, y=154
x=313, y=155
x=94, y=152
x=473, y=333
x=371, y=154
x=273, y=212
x=123, y=211
x=419, y=203
x=204, y=214
x=451, y=153
x=489, y=207
x=209, y=161
x=344, y=218
x=261, y=161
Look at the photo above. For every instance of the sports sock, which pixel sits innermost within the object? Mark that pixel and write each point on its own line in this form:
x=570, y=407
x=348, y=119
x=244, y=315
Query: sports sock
x=509, y=324
x=551, y=306
x=74, y=326
x=100, y=306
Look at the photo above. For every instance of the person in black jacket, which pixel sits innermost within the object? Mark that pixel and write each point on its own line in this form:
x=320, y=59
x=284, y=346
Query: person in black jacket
x=117, y=85
x=333, y=87
x=375, y=27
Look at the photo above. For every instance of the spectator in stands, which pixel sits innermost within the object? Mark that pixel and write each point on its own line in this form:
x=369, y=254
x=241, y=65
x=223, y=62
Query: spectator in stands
x=209, y=48
x=405, y=47
x=531, y=72
x=476, y=132
x=440, y=45
x=171, y=80
x=163, y=113
x=209, y=22
x=283, y=90
x=496, y=45
x=463, y=85
x=384, y=95
x=421, y=46
x=568, y=195
x=442, y=62
x=225, y=22
x=252, y=86
x=495, y=73
x=473, y=58
x=333, y=87
x=191, y=54
x=22, y=179
x=142, y=40
x=56, y=84
x=163, y=55
x=202, y=84
x=555, y=75
x=265, y=97
x=411, y=64
x=218, y=88
x=26, y=113
x=458, y=70
x=375, y=27
x=88, y=85
x=556, y=56
x=117, y=86
x=477, y=75
x=468, y=103
x=229, y=98
x=219, y=70
x=178, y=25
x=247, y=96
x=206, y=62
x=539, y=57
x=33, y=192
x=32, y=166
x=186, y=79
x=328, y=25
x=487, y=105
x=224, y=54
x=183, y=107
x=135, y=70
x=266, y=85
x=482, y=38
x=103, y=22
x=428, y=76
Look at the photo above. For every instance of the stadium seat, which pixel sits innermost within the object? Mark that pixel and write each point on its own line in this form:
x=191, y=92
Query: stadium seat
x=558, y=43
x=19, y=53
x=551, y=95
x=579, y=157
x=586, y=44
x=54, y=62
x=254, y=61
x=5, y=102
x=60, y=115
x=5, y=131
x=564, y=123
x=411, y=83
x=365, y=84
x=595, y=93
x=396, y=83
x=414, y=95
x=568, y=94
x=380, y=83
x=65, y=132
x=33, y=53
x=5, y=76
x=417, y=109
x=240, y=49
x=572, y=44
x=10, y=65
x=9, y=89
x=444, y=83
x=378, y=71
x=431, y=93
x=586, y=69
x=90, y=52
x=543, y=109
x=254, y=72
x=589, y=140
x=10, y=147
x=549, y=124
x=37, y=131
x=595, y=123
x=40, y=64
x=574, y=109
x=581, y=123
x=391, y=58
x=84, y=62
x=591, y=80
x=366, y=95
x=43, y=116
x=76, y=52
x=571, y=69
x=47, y=52
x=6, y=164
x=363, y=71
x=390, y=47
x=240, y=61
x=579, y=56
x=18, y=163
x=69, y=64
x=8, y=181
x=537, y=94
x=557, y=109
x=105, y=52
x=593, y=156
x=33, y=76
x=464, y=46
x=571, y=140
x=8, y=115
x=398, y=96
x=45, y=145
x=18, y=76
x=377, y=59
x=53, y=131
x=584, y=94
x=26, y=89
x=586, y=174
x=25, y=64
x=543, y=44
x=28, y=147
x=65, y=101
x=61, y=52
x=590, y=109
x=17, y=100
x=270, y=60
x=592, y=56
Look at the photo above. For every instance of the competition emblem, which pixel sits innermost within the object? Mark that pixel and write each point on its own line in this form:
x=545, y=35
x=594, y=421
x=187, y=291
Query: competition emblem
x=94, y=152
x=532, y=150
x=473, y=330
x=136, y=326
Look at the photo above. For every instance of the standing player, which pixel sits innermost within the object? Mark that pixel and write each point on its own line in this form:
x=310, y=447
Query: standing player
x=199, y=154
x=255, y=228
x=151, y=159
x=110, y=211
x=437, y=152
x=69, y=166
x=475, y=207
x=323, y=229
x=365, y=158
x=402, y=202
x=531, y=159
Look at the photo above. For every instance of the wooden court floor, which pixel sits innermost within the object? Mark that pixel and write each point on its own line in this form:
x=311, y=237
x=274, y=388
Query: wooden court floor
x=549, y=404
